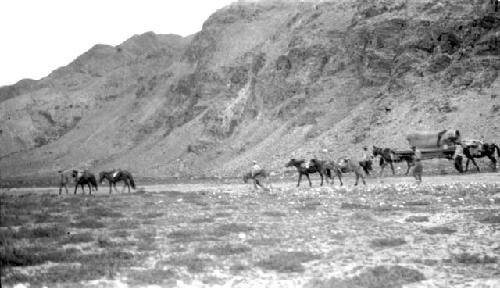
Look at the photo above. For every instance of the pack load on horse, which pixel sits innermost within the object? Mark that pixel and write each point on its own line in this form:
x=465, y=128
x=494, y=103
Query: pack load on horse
x=427, y=140
x=478, y=149
x=437, y=144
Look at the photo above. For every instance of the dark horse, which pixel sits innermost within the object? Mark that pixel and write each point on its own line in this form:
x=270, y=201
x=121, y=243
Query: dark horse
x=304, y=170
x=82, y=178
x=389, y=156
x=117, y=176
x=484, y=150
x=326, y=168
x=255, y=177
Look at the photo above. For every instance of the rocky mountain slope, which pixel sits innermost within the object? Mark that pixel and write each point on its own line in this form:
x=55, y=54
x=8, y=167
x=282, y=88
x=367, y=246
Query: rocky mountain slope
x=266, y=81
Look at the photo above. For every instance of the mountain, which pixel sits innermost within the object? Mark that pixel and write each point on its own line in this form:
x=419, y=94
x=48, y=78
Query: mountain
x=264, y=81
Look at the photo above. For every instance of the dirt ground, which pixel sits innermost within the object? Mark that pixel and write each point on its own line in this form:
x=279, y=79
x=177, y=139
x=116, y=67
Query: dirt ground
x=389, y=233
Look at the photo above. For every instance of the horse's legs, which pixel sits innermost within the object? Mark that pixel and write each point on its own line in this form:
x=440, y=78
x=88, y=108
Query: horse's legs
x=339, y=174
x=76, y=187
x=114, y=187
x=321, y=175
x=382, y=166
x=475, y=164
x=300, y=178
x=90, y=188
x=408, y=169
x=357, y=178
x=493, y=161
x=83, y=188
x=309, y=179
x=392, y=168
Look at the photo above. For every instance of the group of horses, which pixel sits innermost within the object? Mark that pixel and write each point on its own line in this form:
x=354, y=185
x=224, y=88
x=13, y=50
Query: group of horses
x=329, y=169
x=325, y=169
x=85, y=177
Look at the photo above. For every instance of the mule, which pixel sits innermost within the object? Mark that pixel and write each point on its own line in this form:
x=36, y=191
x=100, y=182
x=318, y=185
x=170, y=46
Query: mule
x=326, y=168
x=485, y=150
x=302, y=170
x=255, y=177
x=347, y=165
x=82, y=178
x=389, y=156
x=116, y=176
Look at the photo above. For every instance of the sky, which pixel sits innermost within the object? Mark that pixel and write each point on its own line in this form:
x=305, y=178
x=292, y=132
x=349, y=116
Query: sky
x=39, y=36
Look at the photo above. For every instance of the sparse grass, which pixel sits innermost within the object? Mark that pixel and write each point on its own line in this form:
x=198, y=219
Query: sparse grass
x=474, y=258
x=49, y=218
x=101, y=211
x=90, y=223
x=274, y=214
x=87, y=267
x=265, y=242
x=52, y=231
x=150, y=215
x=412, y=219
x=202, y=220
x=120, y=233
x=77, y=238
x=417, y=203
x=192, y=262
x=126, y=224
x=309, y=205
x=238, y=268
x=439, y=230
x=362, y=216
x=185, y=235
x=226, y=229
x=375, y=277
x=222, y=215
x=345, y=205
x=387, y=242
x=29, y=256
x=151, y=277
x=9, y=220
x=287, y=262
x=489, y=219
x=225, y=249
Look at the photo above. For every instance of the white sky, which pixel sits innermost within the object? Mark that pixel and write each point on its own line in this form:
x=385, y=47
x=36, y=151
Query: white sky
x=39, y=36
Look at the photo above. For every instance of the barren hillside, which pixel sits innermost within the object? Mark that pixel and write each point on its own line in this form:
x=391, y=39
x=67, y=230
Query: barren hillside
x=265, y=81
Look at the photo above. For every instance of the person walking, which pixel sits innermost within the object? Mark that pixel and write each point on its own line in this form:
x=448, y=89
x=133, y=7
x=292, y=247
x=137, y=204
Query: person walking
x=366, y=160
x=255, y=168
x=417, y=161
x=63, y=181
x=458, y=156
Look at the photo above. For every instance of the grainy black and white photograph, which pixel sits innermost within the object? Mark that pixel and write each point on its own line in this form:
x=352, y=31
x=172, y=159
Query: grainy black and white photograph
x=271, y=143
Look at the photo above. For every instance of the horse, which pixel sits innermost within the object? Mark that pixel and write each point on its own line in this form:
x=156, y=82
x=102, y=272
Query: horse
x=82, y=178
x=116, y=176
x=304, y=170
x=326, y=167
x=347, y=165
x=388, y=156
x=485, y=150
x=255, y=177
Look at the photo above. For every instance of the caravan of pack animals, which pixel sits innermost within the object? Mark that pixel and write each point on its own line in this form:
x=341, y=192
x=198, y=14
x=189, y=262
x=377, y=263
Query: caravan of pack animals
x=424, y=146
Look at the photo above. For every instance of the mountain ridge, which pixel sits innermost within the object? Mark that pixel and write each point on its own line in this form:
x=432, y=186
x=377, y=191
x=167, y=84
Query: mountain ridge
x=263, y=81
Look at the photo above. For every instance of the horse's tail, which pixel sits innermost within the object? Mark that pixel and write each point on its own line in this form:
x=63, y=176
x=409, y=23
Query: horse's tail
x=132, y=182
x=497, y=148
